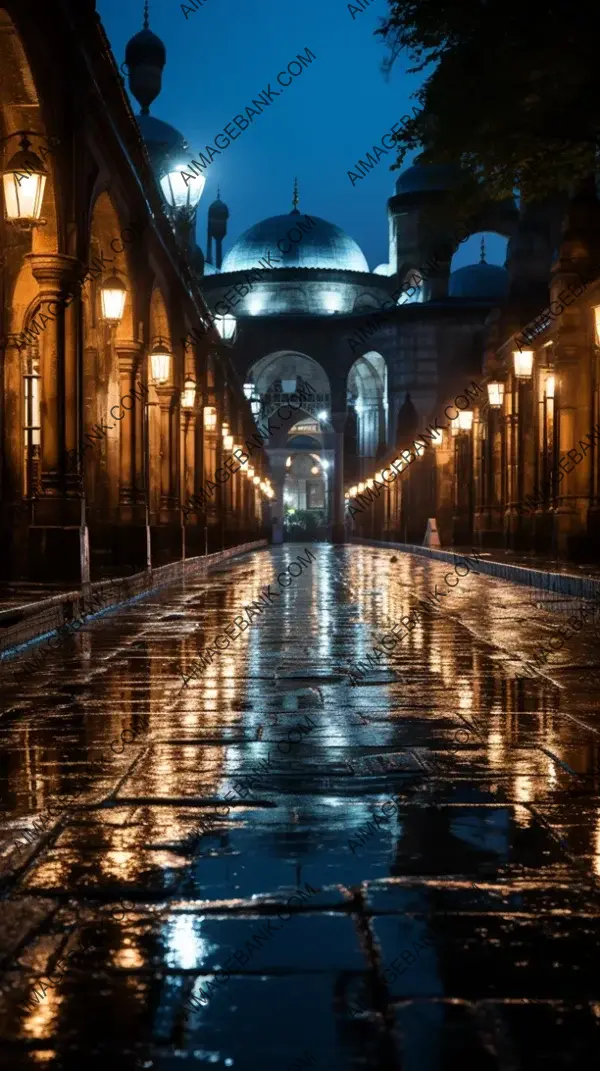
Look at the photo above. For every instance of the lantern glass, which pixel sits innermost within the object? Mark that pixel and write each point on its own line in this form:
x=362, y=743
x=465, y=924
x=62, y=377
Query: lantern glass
x=361, y=488
x=24, y=181
x=255, y=406
x=228, y=442
x=226, y=327
x=249, y=389
x=523, y=363
x=112, y=298
x=160, y=364
x=177, y=193
x=288, y=386
x=210, y=417
x=495, y=394
x=188, y=394
x=465, y=419
x=550, y=386
x=437, y=438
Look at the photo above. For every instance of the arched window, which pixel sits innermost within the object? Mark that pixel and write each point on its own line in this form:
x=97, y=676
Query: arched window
x=32, y=441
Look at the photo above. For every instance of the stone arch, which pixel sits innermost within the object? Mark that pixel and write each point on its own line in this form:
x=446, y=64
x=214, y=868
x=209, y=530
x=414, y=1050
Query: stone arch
x=368, y=393
x=25, y=254
x=275, y=377
x=103, y=473
x=469, y=251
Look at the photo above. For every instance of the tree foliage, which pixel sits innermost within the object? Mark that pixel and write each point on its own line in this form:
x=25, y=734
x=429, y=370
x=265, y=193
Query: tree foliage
x=512, y=93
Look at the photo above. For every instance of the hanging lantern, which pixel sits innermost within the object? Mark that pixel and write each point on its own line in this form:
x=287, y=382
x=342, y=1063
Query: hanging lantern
x=210, y=417
x=112, y=299
x=465, y=419
x=24, y=181
x=160, y=363
x=188, y=394
x=523, y=363
x=495, y=391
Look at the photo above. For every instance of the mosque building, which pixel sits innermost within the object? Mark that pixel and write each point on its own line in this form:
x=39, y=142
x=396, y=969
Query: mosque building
x=297, y=300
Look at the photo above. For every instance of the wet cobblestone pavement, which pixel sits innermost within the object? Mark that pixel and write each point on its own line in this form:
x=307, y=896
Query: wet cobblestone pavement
x=268, y=867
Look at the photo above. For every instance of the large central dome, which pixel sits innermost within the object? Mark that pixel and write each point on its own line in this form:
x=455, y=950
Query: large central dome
x=321, y=245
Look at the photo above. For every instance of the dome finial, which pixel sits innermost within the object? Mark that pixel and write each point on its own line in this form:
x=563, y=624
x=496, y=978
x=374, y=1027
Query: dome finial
x=482, y=258
x=145, y=14
x=295, y=199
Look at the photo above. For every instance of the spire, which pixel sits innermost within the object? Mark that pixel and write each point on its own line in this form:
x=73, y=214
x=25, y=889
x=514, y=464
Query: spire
x=145, y=14
x=482, y=258
x=295, y=199
x=218, y=193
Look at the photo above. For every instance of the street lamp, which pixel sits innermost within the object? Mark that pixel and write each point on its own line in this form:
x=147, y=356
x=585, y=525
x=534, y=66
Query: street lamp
x=523, y=363
x=228, y=443
x=112, y=299
x=160, y=363
x=249, y=388
x=188, y=394
x=182, y=197
x=24, y=181
x=210, y=417
x=550, y=386
x=226, y=326
x=465, y=419
x=495, y=391
x=437, y=438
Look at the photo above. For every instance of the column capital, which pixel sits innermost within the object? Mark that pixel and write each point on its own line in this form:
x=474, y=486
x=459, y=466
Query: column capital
x=128, y=350
x=54, y=270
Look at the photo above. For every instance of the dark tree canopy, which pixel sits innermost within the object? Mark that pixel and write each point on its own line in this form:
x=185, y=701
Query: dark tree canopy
x=511, y=91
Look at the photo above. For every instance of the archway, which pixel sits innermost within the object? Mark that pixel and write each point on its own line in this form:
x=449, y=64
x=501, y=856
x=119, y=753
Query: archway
x=368, y=394
x=307, y=435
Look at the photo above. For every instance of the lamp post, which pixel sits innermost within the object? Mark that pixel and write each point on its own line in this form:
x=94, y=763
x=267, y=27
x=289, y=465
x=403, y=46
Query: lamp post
x=188, y=405
x=522, y=456
x=463, y=475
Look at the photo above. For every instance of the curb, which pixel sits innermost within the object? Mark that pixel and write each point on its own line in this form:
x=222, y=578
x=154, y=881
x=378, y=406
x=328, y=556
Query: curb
x=582, y=587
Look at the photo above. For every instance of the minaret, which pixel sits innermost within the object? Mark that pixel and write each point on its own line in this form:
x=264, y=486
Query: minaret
x=218, y=214
x=295, y=200
x=145, y=56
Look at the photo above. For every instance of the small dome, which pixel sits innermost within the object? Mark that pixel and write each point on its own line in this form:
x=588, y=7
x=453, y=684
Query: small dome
x=383, y=269
x=484, y=281
x=209, y=269
x=425, y=178
x=319, y=245
x=218, y=210
x=145, y=49
x=166, y=146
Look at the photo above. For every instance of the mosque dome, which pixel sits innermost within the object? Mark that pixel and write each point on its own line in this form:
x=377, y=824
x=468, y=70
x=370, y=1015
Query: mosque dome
x=426, y=178
x=384, y=269
x=166, y=146
x=323, y=246
x=484, y=281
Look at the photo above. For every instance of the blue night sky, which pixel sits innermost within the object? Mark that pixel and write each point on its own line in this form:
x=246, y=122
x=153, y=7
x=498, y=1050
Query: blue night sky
x=227, y=52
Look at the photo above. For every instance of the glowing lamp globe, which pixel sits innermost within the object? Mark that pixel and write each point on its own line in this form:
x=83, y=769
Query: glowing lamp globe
x=112, y=298
x=24, y=181
x=180, y=194
x=188, y=394
x=160, y=363
x=523, y=363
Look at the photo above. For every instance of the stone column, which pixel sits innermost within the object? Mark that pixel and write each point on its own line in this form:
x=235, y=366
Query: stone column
x=338, y=534
x=278, y=474
x=130, y=427
x=55, y=275
x=169, y=426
